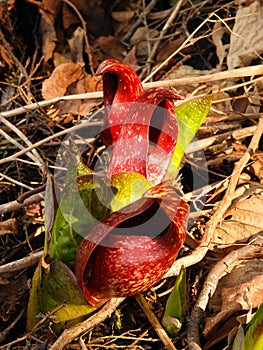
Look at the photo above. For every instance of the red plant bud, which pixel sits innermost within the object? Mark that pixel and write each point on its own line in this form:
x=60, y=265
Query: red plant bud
x=148, y=136
x=121, y=86
x=133, y=248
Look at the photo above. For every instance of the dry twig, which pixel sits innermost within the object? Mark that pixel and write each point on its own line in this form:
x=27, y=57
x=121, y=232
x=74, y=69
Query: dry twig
x=168, y=344
x=230, y=74
x=21, y=264
x=171, y=18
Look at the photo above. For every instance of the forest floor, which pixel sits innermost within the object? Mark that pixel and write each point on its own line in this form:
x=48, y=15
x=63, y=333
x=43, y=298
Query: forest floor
x=49, y=50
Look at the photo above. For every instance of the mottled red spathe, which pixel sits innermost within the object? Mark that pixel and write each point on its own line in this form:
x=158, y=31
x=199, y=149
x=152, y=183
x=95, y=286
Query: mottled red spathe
x=132, y=249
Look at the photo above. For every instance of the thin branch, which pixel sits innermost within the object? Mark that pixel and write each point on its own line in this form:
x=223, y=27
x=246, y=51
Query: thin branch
x=21, y=264
x=85, y=34
x=23, y=137
x=15, y=181
x=168, y=344
x=17, y=144
x=47, y=139
x=130, y=32
x=165, y=62
x=230, y=74
x=16, y=205
x=162, y=34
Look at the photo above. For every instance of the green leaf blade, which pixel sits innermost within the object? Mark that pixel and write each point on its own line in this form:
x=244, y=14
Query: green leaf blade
x=190, y=117
x=175, y=306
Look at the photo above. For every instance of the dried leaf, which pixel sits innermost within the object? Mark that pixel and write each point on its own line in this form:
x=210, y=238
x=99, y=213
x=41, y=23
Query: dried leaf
x=62, y=77
x=122, y=16
x=257, y=166
x=247, y=36
x=112, y=47
x=141, y=33
x=241, y=221
x=240, y=290
x=9, y=227
x=217, y=36
x=73, y=51
x=69, y=79
x=131, y=59
x=57, y=21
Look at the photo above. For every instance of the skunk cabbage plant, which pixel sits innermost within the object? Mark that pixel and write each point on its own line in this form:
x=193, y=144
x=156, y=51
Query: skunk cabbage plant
x=133, y=247
x=115, y=234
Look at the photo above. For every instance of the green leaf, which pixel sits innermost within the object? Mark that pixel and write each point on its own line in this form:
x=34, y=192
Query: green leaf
x=84, y=203
x=253, y=339
x=50, y=210
x=175, y=306
x=54, y=287
x=190, y=117
x=33, y=308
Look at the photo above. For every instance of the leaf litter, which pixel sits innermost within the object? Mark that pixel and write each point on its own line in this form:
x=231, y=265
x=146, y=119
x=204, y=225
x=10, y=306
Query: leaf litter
x=70, y=52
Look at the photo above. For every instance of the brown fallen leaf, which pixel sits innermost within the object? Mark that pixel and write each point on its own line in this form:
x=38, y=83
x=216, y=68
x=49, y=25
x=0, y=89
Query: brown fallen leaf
x=257, y=166
x=122, y=16
x=247, y=36
x=61, y=78
x=217, y=36
x=73, y=51
x=241, y=289
x=112, y=47
x=58, y=19
x=9, y=227
x=241, y=221
x=70, y=79
x=131, y=59
x=12, y=296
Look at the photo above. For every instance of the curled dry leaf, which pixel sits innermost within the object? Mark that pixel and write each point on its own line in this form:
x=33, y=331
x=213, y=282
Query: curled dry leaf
x=9, y=227
x=122, y=16
x=112, y=47
x=241, y=221
x=61, y=78
x=217, y=36
x=66, y=79
x=247, y=35
x=58, y=20
x=239, y=290
x=257, y=166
